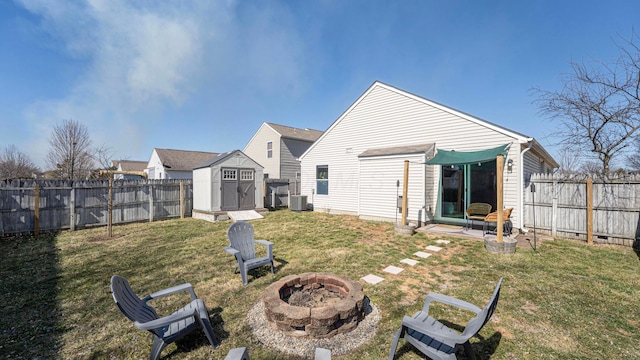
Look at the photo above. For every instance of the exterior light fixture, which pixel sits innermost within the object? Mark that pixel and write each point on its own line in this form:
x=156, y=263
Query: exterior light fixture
x=510, y=165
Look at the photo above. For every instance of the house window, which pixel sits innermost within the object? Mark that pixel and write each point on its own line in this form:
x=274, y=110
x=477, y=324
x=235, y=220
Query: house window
x=229, y=174
x=269, y=150
x=322, y=179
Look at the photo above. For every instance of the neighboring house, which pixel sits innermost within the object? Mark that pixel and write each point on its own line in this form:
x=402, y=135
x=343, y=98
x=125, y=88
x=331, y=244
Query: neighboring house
x=175, y=164
x=278, y=147
x=227, y=182
x=357, y=165
x=128, y=169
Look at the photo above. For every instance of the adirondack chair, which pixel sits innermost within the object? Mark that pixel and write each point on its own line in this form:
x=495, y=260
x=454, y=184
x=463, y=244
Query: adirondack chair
x=435, y=339
x=167, y=329
x=242, y=245
x=507, y=225
x=477, y=211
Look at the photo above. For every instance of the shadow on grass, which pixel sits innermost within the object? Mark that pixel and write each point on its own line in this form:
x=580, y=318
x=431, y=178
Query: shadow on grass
x=266, y=270
x=29, y=279
x=483, y=349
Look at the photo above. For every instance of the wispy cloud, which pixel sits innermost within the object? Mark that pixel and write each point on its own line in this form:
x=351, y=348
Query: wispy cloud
x=145, y=57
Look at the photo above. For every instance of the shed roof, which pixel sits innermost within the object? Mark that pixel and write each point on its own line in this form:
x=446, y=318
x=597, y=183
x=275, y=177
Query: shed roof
x=182, y=160
x=218, y=158
x=296, y=133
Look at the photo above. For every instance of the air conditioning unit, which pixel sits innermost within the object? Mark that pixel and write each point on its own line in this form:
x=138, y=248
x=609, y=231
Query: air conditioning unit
x=298, y=203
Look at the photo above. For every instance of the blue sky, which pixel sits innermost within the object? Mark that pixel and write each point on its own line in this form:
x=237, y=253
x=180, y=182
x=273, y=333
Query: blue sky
x=203, y=75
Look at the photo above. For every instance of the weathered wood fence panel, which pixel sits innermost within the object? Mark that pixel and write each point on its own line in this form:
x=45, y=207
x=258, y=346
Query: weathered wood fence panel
x=559, y=205
x=79, y=204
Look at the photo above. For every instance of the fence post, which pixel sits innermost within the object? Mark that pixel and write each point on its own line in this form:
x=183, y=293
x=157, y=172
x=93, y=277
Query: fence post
x=590, y=211
x=150, y=203
x=554, y=210
x=36, y=210
x=72, y=210
x=181, y=200
x=110, y=208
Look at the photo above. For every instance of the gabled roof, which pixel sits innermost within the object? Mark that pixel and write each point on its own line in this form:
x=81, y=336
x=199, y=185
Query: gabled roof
x=218, y=158
x=182, y=160
x=295, y=133
x=130, y=165
x=519, y=137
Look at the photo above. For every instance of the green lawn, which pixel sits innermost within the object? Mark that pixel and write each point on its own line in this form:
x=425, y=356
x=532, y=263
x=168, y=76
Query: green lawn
x=565, y=301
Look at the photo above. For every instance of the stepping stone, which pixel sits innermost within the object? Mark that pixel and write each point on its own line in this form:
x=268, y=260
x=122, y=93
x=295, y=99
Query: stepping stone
x=393, y=270
x=422, y=254
x=433, y=248
x=372, y=279
x=409, y=262
x=442, y=241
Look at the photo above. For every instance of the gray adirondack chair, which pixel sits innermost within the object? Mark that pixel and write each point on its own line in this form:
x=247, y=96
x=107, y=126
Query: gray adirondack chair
x=167, y=329
x=242, y=245
x=435, y=339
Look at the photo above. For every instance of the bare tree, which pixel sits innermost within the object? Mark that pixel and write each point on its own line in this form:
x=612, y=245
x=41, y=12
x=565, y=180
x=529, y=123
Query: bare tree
x=569, y=160
x=70, y=153
x=14, y=164
x=599, y=104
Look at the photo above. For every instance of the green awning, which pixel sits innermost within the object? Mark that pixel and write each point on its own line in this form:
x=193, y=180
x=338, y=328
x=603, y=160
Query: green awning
x=446, y=157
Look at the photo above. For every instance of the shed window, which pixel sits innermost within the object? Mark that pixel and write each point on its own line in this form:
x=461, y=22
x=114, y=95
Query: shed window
x=229, y=174
x=269, y=150
x=322, y=179
x=246, y=175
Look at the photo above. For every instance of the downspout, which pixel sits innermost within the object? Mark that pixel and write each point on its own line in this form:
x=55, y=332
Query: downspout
x=521, y=186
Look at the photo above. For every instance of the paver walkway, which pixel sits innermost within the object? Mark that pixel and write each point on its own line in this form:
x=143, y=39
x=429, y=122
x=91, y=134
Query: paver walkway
x=374, y=279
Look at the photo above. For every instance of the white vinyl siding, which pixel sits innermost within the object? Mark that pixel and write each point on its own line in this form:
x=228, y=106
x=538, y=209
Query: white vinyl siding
x=383, y=117
x=378, y=190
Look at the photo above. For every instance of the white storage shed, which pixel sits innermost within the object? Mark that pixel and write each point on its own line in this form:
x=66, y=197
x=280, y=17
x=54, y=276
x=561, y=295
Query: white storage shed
x=228, y=182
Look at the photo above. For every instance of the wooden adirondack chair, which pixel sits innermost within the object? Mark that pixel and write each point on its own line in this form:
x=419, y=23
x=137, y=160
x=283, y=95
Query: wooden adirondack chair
x=435, y=339
x=167, y=329
x=492, y=218
x=242, y=245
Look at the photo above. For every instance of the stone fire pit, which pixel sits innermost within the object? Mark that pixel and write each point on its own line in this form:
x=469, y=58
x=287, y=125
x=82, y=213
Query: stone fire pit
x=318, y=305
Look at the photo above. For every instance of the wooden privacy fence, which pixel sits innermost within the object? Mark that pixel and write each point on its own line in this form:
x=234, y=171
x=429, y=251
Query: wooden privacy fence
x=29, y=206
x=578, y=207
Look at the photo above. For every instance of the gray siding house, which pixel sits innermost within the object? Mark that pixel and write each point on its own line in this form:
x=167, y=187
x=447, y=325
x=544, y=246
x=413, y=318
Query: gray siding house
x=278, y=147
x=357, y=166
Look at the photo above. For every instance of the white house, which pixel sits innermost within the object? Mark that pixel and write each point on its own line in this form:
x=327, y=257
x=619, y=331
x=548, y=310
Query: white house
x=227, y=182
x=278, y=147
x=357, y=166
x=129, y=169
x=175, y=164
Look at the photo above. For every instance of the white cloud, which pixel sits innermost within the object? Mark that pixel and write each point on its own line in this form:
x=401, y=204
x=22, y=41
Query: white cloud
x=146, y=57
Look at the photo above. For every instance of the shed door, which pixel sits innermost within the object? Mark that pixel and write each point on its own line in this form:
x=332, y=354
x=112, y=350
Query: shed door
x=229, y=189
x=247, y=188
x=238, y=189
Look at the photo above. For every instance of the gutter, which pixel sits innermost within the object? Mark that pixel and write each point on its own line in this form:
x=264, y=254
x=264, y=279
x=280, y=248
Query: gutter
x=521, y=186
